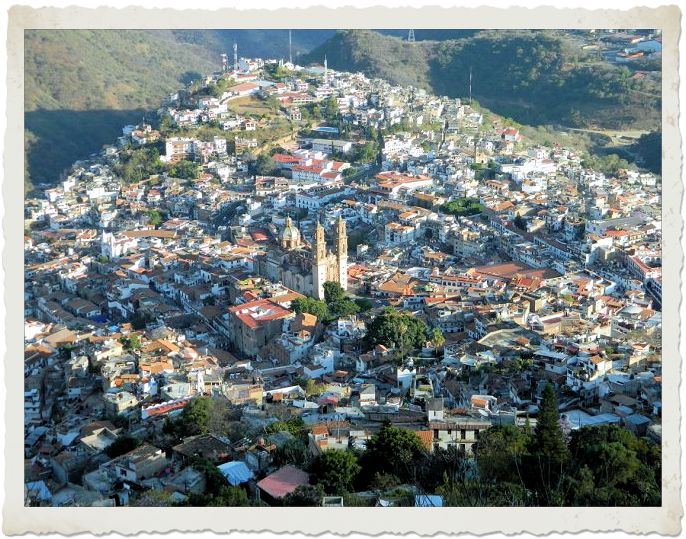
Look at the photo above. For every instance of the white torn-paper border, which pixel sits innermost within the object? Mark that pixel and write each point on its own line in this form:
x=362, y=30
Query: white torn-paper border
x=18, y=519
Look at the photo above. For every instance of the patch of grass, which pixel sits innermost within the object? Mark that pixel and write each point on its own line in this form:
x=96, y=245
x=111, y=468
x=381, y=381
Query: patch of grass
x=250, y=106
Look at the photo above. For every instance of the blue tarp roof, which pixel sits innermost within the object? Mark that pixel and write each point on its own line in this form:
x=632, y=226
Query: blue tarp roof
x=428, y=500
x=236, y=472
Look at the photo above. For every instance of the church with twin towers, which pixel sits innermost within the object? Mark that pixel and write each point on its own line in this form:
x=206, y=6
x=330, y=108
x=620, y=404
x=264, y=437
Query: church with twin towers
x=305, y=267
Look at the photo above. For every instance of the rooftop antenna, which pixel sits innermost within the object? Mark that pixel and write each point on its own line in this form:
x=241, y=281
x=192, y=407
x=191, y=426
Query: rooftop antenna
x=290, y=47
x=410, y=36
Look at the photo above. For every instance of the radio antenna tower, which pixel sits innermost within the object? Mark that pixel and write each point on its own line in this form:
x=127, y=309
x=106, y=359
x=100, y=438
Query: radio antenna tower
x=290, y=48
x=410, y=36
x=470, y=86
x=225, y=63
x=235, y=56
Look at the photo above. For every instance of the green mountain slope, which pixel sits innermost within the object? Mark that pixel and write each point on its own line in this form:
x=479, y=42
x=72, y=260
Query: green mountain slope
x=82, y=86
x=535, y=77
x=376, y=55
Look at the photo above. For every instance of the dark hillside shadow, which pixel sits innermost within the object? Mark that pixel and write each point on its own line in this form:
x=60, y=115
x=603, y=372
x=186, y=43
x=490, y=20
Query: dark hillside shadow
x=189, y=76
x=65, y=136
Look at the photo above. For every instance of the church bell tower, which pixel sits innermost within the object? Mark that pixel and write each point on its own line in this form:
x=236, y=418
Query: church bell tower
x=341, y=245
x=319, y=262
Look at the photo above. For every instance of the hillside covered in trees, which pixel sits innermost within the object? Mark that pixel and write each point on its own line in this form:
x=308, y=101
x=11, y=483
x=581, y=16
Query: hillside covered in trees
x=83, y=86
x=534, y=77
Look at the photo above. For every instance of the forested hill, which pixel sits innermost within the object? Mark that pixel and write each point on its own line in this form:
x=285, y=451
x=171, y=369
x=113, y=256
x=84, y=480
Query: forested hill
x=82, y=86
x=534, y=77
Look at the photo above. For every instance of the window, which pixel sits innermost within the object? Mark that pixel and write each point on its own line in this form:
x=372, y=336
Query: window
x=435, y=434
x=463, y=433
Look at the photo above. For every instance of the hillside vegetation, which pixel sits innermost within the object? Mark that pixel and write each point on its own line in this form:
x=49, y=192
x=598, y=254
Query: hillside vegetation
x=82, y=86
x=386, y=57
x=534, y=77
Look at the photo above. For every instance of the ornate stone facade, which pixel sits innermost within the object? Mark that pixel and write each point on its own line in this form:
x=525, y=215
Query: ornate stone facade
x=306, y=269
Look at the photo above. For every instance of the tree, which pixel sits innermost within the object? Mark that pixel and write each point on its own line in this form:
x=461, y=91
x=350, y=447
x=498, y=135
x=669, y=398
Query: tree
x=440, y=465
x=312, y=306
x=295, y=425
x=215, y=481
x=545, y=466
x=123, y=444
x=394, y=451
x=337, y=302
x=195, y=417
x=277, y=149
x=548, y=438
x=519, y=222
x=350, y=171
x=383, y=482
x=155, y=217
x=131, y=343
x=184, y=169
x=649, y=147
x=364, y=304
x=396, y=329
x=293, y=451
x=437, y=337
x=463, y=207
x=366, y=153
x=335, y=470
x=304, y=496
x=218, y=492
x=499, y=451
x=333, y=292
x=611, y=466
x=331, y=109
x=166, y=124
x=264, y=165
x=311, y=388
x=344, y=307
x=230, y=496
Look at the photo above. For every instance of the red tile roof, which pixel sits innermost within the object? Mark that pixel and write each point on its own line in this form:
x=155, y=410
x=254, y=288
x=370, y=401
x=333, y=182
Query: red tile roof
x=254, y=313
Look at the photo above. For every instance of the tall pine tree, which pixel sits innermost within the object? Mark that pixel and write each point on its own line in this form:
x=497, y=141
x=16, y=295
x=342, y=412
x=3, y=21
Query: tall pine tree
x=549, y=453
x=548, y=439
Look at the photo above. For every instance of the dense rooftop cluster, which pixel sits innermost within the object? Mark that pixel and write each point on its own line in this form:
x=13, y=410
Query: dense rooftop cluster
x=276, y=294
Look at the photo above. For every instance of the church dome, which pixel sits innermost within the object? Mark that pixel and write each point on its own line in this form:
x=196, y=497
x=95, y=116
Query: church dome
x=290, y=235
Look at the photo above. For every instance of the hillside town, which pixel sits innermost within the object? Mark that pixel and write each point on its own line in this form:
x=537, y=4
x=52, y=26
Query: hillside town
x=290, y=266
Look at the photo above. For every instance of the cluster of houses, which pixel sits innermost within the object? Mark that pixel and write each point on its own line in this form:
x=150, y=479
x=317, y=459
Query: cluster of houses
x=553, y=277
